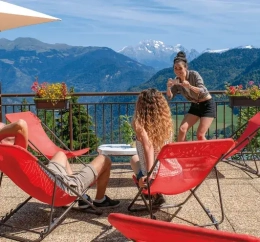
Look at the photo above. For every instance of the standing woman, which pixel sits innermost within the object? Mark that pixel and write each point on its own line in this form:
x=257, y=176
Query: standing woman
x=190, y=84
x=153, y=125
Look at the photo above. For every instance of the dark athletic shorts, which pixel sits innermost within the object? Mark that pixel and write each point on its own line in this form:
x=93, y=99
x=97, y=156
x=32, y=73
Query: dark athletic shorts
x=203, y=109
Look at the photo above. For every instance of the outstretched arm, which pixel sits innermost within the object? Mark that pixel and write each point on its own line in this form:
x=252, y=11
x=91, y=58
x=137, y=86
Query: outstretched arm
x=18, y=130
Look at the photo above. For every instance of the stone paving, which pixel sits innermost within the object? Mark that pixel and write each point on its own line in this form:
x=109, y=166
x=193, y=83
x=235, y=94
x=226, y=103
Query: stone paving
x=241, y=198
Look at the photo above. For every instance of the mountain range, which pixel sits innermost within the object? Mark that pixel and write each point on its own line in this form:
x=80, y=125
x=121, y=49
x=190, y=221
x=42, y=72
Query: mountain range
x=101, y=69
x=88, y=69
x=156, y=54
x=234, y=66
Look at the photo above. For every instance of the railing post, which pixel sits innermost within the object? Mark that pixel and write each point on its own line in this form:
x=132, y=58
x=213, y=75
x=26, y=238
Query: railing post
x=71, y=125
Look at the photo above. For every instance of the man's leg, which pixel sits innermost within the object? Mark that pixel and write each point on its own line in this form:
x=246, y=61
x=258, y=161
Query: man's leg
x=62, y=159
x=102, y=164
x=18, y=130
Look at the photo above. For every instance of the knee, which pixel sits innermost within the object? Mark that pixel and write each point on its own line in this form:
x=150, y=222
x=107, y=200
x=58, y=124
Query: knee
x=183, y=129
x=21, y=124
x=134, y=160
x=59, y=157
x=108, y=161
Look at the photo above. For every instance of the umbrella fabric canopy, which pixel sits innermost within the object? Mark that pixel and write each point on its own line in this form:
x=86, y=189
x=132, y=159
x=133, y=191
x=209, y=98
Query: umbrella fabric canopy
x=13, y=16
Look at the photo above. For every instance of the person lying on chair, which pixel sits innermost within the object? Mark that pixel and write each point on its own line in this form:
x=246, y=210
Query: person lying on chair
x=98, y=170
x=153, y=126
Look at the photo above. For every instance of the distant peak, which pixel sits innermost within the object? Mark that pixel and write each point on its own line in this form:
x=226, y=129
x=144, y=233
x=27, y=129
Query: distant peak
x=208, y=50
x=245, y=47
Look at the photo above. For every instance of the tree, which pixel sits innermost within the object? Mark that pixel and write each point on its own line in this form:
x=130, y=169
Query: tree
x=82, y=124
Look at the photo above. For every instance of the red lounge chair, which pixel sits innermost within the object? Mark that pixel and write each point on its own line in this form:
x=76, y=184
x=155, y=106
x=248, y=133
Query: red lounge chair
x=242, y=144
x=39, y=140
x=183, y=167
x=39, y=182
x=147, y=230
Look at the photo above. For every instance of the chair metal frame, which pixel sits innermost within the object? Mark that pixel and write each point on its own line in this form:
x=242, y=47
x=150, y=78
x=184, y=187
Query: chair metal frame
x=52, y=222
x=149, y=206
x=245, y=144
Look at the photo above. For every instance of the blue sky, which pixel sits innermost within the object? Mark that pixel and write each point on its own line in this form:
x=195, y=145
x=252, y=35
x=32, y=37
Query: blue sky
x=197, y=24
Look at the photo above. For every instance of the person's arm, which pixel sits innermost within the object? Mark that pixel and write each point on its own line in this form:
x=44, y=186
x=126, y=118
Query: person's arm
x=18, y=130
x=148, y=149
x=171, y=88
x=199, y=88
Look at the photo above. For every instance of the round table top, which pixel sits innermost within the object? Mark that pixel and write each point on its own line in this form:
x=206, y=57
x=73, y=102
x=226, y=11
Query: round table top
x=116, y=149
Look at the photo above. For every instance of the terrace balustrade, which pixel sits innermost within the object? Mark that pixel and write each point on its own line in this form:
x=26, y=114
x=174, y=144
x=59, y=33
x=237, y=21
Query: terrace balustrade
x=99, y=116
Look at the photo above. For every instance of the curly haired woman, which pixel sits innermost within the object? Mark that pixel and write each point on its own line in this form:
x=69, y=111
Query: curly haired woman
x=153, y=126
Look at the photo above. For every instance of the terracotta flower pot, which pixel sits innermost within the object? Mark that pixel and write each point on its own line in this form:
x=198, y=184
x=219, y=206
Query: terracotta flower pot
x=48, y=104
x=243, y=101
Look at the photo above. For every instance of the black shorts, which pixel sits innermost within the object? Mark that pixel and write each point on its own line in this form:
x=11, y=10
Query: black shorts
x=203, y=109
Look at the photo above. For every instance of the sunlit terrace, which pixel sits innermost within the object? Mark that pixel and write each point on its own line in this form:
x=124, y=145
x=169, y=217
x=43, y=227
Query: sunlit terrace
x=99, y=123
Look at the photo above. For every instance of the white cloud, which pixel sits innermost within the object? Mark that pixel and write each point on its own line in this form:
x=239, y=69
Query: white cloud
x=185, y=21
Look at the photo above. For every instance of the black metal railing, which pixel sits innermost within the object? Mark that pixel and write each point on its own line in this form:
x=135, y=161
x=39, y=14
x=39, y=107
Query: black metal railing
x=102, y=119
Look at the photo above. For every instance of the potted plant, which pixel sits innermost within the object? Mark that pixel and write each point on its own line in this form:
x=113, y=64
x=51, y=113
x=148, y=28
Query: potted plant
x=50, y=95
x=248, y=97
x=126, y=130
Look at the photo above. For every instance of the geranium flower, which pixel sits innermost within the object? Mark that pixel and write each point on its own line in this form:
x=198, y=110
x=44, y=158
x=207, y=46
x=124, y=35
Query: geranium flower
x=51, y=91
x=251, y=91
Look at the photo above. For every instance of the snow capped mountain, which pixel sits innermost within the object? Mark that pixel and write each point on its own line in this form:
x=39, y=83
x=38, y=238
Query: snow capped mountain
x=156, y=54
x=246, y=47
x=215, y=51
x=224, y=50
x=159, y=55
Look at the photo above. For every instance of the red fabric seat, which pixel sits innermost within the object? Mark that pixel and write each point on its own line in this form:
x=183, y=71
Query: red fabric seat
x=39, y=182
x=27, y=173
x=38, y=137
x=242, y=141
x=147, y=230
x=183, y=167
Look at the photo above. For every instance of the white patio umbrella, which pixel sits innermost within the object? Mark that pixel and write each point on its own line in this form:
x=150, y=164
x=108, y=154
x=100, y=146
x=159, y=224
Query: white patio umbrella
x=13, y=16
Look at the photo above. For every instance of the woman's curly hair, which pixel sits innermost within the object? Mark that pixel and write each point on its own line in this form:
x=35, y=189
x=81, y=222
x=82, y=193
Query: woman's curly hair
x=153, y=113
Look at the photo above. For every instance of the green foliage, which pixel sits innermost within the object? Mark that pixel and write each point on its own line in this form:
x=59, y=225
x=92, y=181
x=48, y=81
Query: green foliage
x=24, y=106
x=82, y=123
x=126, y=129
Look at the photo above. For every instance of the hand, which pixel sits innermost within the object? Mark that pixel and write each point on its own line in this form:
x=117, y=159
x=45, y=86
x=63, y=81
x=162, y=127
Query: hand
x=171, y=82
x=142, y=181
x=185, y=84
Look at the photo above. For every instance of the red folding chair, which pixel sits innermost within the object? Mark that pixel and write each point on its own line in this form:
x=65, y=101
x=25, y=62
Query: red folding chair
x=38, y=139
x=243, y=150
x=34, y=178
x=147, y=230
x=183, y=167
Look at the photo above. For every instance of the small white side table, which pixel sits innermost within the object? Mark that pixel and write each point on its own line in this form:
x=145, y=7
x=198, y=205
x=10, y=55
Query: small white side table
x=117, y=150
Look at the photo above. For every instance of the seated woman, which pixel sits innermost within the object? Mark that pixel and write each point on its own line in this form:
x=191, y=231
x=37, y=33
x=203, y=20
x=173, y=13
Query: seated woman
x=98, y=170
x=153, y=126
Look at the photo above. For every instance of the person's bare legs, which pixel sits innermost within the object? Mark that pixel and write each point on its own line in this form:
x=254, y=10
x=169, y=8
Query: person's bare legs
x=204, y=125
x=102, y=164
x=135, y=164
x=188, y=121
x=18, y=130
x=62, y=159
